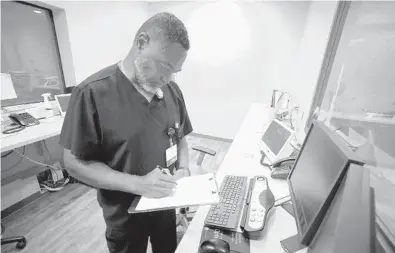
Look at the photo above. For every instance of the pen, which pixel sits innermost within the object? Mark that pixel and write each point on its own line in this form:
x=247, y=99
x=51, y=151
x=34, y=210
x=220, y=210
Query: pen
x=164, y=171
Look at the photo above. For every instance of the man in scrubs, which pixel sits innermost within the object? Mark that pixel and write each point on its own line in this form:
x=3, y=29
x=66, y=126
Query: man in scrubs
x=123, y=125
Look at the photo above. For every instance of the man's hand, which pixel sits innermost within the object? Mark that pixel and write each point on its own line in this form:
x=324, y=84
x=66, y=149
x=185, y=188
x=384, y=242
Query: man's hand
x=180, y=173
x=156, y=184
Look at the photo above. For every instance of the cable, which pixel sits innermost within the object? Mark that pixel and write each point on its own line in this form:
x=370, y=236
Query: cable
x=46, y=148
x=283, y=197
x=20, y=160
x=281, y=203
x=295, y=146
x=47, y=185
x=14, y=129
x=262, y=161
x=39, y=163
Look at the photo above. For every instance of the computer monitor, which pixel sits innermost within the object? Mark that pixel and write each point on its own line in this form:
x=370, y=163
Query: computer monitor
x=315, y=178
x=275, y=142
x=63, y=102
x=349, y=225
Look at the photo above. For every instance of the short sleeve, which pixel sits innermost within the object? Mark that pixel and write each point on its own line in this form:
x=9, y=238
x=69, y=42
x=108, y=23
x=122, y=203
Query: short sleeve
x=80, y=131
x=185, y=124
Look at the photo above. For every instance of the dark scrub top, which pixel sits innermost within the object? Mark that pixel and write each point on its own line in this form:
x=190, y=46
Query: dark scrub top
x=108, y=120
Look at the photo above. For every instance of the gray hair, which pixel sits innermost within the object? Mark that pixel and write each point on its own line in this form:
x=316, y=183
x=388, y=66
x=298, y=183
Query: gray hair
x=166, y=26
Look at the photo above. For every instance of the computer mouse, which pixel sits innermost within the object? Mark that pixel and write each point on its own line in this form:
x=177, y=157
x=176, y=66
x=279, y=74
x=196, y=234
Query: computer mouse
x=214, y=246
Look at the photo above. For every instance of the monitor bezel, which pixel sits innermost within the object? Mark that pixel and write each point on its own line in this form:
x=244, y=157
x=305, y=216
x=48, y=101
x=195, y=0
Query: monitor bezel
x=352, y=206
x=350, y=217
x=308, y=235
x=267, y=150
x=63, y=113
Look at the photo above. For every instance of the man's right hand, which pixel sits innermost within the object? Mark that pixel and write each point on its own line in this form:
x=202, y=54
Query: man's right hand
x=156, y=184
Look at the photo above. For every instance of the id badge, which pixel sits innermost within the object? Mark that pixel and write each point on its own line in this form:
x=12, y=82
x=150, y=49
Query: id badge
x=171, y=155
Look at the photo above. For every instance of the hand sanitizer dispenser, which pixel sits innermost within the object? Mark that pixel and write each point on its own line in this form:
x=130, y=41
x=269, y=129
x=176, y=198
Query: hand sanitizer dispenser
x=47, y=105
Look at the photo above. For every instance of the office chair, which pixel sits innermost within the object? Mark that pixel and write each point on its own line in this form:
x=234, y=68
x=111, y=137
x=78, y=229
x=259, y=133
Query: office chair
x=203, y=152
x=182, y=218
x=20, y=240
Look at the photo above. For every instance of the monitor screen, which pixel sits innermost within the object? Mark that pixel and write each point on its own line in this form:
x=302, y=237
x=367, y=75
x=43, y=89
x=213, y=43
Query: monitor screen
x=276, y=136
x=64, y=102
x=350, y=217
x=314, y=175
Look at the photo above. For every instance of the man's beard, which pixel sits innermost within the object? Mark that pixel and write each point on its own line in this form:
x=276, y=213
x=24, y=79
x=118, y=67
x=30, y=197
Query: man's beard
x=149, y=87
x=145, y=71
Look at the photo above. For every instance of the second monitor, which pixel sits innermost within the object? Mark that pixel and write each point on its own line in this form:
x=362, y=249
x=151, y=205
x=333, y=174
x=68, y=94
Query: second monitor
x=315, y=178
x=275, y=142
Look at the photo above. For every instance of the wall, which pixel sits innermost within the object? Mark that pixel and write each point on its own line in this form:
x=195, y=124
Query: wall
x=304, y=76
x=101, y=33
x=235, y=59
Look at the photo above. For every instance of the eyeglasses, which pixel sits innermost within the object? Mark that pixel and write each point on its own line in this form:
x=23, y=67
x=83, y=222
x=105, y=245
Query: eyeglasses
x=164, y=68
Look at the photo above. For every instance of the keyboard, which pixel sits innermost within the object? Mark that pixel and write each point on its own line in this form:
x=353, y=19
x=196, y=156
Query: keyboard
x=226, y=214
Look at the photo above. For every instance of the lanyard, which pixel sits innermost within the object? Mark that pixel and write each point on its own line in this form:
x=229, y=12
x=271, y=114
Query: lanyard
x=170, y=132
x=173, y=131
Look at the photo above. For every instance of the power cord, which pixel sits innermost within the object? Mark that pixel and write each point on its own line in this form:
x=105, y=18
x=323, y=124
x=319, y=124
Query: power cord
x=19, y=161
x=39, y=163
x=48, y=185
x=278, y=202
x=49, y=153
x=262, y=161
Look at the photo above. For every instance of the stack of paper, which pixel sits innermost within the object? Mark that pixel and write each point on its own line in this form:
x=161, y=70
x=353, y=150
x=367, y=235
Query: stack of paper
x=190, y=191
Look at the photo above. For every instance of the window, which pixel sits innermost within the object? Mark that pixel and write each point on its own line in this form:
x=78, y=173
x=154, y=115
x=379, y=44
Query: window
x=359, y=97
x=29, y=52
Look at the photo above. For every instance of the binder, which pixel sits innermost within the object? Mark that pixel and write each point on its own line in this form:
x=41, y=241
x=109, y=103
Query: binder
x=190, y=191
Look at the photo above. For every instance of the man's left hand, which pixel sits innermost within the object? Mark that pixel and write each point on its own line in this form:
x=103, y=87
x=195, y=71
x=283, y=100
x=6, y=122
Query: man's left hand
x=180, y=173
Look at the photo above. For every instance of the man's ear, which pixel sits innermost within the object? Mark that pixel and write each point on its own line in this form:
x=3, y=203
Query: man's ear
x=142, y=40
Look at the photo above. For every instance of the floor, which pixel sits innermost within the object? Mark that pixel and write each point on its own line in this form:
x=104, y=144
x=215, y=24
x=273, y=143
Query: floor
x=70, y=221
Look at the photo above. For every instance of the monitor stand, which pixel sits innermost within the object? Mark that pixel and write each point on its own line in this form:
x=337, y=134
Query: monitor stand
x=288, y=207
x=291, y=244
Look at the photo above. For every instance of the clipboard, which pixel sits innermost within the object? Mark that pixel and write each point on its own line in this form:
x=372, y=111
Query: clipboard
x=190, y=191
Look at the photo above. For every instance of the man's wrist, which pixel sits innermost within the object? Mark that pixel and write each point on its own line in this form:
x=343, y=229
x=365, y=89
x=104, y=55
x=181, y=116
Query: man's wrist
x=135, y=184
x=185, y=169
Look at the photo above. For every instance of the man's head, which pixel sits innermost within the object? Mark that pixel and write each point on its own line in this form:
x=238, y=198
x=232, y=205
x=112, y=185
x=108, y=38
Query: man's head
x=159, y=50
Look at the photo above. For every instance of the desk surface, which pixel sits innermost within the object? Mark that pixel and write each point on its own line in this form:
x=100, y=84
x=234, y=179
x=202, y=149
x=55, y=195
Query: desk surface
x=243, y=159
x=46, y=129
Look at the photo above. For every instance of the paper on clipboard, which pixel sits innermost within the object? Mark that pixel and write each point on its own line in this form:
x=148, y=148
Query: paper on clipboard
x=190, y=191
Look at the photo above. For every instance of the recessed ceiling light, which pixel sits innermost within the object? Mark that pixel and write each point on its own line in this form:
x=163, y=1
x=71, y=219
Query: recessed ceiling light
x=36, y=11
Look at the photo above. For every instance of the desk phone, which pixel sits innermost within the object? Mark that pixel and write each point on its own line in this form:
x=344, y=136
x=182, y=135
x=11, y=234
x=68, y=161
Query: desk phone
x=259, y=203
x=24, y=119
x=282, y=168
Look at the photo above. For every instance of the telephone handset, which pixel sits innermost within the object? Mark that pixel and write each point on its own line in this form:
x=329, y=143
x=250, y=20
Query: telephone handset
x=288, y=160
x=282, y=168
